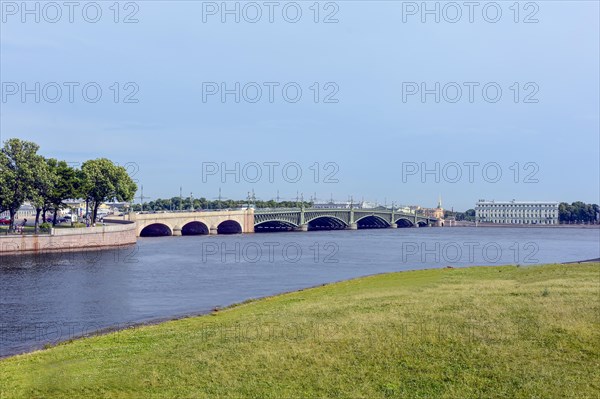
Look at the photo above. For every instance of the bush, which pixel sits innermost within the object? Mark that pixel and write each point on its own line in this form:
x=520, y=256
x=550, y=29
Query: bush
x=45, y=226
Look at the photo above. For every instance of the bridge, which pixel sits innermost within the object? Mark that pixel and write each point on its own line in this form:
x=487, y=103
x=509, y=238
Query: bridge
x=272, y=220
x=305, y=219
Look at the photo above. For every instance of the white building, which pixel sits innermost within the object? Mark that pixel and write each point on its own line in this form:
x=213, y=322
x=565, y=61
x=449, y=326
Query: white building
x=516, y=212
x=332, y=205
x=25, y=211
x=345, y=205
x=366, y=205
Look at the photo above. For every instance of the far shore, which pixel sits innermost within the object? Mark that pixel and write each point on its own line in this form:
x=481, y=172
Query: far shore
x=528, y=226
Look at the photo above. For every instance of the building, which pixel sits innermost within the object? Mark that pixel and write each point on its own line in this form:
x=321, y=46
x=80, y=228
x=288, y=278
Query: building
x=25, y=211
x=332, y=205
x=436, y=213
x=516, y=212
x=345, y=205
x=78, y=207
x=72, y=206
x=404, y=209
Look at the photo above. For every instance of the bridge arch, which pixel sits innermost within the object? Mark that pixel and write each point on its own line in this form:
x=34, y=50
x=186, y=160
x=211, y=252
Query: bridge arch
x=156, y=230
x=273, y=225
x=372, y=222
x=229, y=227
x=194, y=228
x=326, y=222
x=404, y=222
x=422, y=223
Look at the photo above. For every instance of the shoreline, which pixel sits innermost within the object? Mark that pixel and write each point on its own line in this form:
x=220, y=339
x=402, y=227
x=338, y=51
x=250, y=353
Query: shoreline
x=156, y=321
x=534, y=226
x=596, y=260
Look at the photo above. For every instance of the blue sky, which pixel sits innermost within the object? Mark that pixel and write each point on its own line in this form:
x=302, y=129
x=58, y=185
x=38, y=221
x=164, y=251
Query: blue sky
x=368, y=56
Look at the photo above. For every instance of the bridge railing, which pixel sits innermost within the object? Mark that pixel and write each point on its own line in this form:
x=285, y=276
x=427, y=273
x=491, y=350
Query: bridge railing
x=273, y=210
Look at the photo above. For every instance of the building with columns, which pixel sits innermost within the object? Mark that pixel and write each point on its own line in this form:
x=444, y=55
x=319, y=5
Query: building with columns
x=516, y=212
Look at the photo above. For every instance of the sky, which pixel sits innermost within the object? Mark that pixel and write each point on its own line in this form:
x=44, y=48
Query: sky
x=374, y=100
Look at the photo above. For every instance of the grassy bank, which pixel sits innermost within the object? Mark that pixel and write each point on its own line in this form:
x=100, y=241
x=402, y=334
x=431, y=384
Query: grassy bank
x=494, y=332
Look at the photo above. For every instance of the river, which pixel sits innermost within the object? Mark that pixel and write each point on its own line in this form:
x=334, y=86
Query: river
x=48, y=298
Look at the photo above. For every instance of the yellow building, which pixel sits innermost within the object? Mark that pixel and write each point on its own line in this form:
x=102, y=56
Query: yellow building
x=437, y=213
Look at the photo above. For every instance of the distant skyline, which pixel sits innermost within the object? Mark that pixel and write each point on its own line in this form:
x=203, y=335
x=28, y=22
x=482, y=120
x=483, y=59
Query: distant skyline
x=364, y=126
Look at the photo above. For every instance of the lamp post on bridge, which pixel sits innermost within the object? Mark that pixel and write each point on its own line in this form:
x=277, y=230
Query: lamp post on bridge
x=352, y=225
x=180, y=198
x=302, y=226
x=141, y=197
x=251, y=199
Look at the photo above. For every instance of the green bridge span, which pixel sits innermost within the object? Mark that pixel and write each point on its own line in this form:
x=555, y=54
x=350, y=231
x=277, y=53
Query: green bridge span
x=304, y=219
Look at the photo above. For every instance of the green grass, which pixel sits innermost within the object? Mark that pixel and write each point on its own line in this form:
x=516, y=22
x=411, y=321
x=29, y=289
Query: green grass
x=31, y=229
x=68, y=225
x=27, y=230
x=482, y=332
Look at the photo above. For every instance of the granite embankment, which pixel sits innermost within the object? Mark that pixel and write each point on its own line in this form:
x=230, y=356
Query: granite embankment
x=70, y=239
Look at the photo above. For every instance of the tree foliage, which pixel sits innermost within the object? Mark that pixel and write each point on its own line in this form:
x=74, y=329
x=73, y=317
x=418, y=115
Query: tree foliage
x=68, y=185
x=47, y=183
x=468, y=215
x=106, y=181
x=175, y=204
x=578, y=212
x=18, y=163
x=42, y=185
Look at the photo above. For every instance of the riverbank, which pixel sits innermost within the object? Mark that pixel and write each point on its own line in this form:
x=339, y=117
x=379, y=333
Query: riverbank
x=529, y=226
x=473, y=332
x=70, y=239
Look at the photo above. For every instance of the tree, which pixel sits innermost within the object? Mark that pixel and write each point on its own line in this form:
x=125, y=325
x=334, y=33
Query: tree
x=578, y=212
x=4, y=190
x=17, y=168
x=468, y=215
x=103, y=181
x=42, y=186
x=67, y=186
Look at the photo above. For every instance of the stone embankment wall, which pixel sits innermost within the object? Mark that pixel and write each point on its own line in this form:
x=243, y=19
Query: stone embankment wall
x=67, y=239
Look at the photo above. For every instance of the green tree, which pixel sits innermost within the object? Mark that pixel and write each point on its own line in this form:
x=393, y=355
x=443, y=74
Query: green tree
x=470, y=215
x=104, y=181
x=578, y=212
x=17, y=169
x=67, y=185
x=42, y=186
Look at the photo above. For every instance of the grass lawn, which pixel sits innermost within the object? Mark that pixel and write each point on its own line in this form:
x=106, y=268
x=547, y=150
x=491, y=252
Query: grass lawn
x=68, y=225
x=26, y=229
x=481, y=332
x=31, y=229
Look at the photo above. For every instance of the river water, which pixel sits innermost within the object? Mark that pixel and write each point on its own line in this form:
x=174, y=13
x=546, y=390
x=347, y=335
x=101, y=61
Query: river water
x=49, y=298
